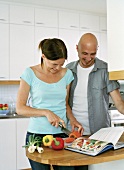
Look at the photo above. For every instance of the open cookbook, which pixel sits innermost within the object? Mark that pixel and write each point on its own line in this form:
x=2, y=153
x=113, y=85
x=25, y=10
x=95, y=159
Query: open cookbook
x=101, y=141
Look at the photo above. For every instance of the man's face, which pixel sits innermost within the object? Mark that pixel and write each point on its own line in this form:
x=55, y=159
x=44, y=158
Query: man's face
x=87, y=53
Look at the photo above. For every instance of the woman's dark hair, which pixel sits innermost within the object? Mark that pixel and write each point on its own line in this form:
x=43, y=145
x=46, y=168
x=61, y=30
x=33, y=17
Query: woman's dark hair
x=53, y=49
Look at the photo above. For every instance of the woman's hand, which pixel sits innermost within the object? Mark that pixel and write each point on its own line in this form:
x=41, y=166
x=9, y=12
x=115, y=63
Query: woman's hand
x=54, y=119
x=75, y=124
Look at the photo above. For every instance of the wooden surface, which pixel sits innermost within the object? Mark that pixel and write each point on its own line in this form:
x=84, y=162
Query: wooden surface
x=9, y=82
x=69, y=158
x=116, y=75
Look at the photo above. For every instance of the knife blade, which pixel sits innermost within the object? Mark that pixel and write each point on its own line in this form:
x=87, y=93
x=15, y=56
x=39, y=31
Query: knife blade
x=64, y=130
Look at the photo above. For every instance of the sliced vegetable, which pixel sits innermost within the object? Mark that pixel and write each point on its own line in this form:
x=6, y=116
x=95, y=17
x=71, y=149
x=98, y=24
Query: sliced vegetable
x=47, y=140
x=57, y=143
x=69, y=140
x=75, y=134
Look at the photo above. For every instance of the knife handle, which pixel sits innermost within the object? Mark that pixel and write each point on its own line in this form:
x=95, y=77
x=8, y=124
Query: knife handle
x=60, y=125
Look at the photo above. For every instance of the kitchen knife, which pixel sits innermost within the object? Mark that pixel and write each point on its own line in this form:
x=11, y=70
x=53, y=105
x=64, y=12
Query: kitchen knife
x=64, y=130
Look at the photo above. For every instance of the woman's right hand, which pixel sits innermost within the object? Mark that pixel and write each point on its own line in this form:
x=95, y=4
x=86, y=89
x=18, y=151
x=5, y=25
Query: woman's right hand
x=54, y=119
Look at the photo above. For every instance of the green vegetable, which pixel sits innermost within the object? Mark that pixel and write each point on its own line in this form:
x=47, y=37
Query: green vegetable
x=34, y=143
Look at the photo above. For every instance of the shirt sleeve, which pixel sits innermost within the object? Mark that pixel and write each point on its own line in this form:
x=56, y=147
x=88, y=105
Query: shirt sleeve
x=69, y=77
x=27, y=75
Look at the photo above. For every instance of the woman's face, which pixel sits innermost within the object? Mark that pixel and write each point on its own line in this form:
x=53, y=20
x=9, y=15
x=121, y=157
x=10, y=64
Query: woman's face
x=53, y=66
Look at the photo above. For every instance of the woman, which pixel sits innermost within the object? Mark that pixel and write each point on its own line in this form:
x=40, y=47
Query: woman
x=48, y=84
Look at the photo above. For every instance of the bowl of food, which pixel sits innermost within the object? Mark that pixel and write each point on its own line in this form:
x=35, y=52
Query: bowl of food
x=4, y=109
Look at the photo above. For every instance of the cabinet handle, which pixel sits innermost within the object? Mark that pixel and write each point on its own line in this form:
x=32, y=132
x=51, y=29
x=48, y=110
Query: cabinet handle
x=40, y=23
x=103, y=30
x=84, y=28
x=26, y=21
x=2, y=77
x=1, y=19
x=72, y=26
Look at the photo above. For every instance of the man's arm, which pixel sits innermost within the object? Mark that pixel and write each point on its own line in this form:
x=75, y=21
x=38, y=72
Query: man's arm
x=118, y=101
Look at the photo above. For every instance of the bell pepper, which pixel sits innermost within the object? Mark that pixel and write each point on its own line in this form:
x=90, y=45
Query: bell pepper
x=57, y=143
x=47, y=140
x=75, y=134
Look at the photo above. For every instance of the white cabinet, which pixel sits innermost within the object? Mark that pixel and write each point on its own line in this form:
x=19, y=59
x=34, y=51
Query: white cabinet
x=89, y=22
x=4, y=51
x=8, y=144
x=103, y=38
x=71, y=38
x=68, y=20
x=115, y=34
x=12, y=138
x=69, y=32
x=103, y=24
x=21, y=127
x=4, y=13
x=40, y=34
x=46, y=17
x=21, y=49
x=21, y=15
x=103, y=47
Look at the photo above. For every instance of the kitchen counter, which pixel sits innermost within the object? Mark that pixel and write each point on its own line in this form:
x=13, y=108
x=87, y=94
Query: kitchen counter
x=68, y=158
x=11, y=116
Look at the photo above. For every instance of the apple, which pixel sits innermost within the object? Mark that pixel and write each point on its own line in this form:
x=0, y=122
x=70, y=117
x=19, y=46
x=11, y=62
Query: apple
x=1, y=106
x=5, y=105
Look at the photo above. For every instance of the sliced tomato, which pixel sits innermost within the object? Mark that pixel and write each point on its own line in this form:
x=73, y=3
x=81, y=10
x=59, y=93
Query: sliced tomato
x=69, y=140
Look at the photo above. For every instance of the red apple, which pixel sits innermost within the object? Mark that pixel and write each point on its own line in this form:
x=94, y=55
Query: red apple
x=1, y=105
x=5, y=105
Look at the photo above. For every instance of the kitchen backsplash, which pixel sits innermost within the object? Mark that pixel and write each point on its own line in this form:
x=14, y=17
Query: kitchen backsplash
x=9, y=91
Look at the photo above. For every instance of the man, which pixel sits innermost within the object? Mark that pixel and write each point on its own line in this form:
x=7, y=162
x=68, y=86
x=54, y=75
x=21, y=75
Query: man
x=90, y=90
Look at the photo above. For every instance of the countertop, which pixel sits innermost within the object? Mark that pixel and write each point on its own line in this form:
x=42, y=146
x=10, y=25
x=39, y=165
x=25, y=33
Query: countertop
x=11, y=116
x=68, y=158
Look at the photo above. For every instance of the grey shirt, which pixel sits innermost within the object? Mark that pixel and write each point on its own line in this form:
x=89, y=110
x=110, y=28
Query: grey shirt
x=99, y=87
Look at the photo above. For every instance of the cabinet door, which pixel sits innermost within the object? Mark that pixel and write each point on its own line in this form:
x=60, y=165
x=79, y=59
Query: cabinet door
x=103, y=46
x=89, y=22
x=46, y=18
x=21, y=15
x=8, y=144
x=115, y=38
x=71, y=38
x=4, y=51
x=4, y=13
x=21, y=49
x=22, y=160
x=69, y=20
x=103, y=24
x=40, y=34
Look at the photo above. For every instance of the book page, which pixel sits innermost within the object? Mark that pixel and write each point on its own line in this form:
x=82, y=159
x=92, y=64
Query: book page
x=89, y=146
x=110, y=134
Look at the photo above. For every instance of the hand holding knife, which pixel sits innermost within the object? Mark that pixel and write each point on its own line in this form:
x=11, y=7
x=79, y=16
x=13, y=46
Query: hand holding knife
x=64, y=130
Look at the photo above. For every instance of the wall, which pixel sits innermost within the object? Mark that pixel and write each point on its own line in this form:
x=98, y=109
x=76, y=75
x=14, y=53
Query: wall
x=8, y=91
